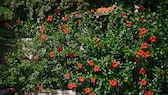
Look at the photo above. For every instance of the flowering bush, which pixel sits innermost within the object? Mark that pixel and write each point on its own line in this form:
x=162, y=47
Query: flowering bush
x=121, y=53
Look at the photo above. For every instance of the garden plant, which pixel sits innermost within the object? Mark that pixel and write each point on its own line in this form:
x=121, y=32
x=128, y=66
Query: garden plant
x=120, y=53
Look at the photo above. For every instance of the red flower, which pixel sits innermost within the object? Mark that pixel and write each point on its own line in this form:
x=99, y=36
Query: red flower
x=67, y=76
x=96, y=68
x=59, y=49
x=137, y=60
x=42, y=29
x=50, y=18
x=91, y=63
x=16, y=22
x=81, y=79
x=147, y=54
x=141, y=18
x=71, y=54
x=87, y=90
x=115, y=64
x=74, y=85
x=36, y=57
x=143, y=82
x=51, y=54
x=91, y=93
x=6, y=25
x=92, y=80
x=143, y=31
x=123, y=15
x=43, y=37
x=140, y=52
x=148, y=93
x=66, y=31
x=61, y=27
x=58, y=12
x=78, y=21
x=142, y=8
x=79, y=65
x=40, y=87
x=144, y=45
x=113, y=83
x=65, y=18
x=153, y=39
x=129, y=23
x=142, y=71
x=70, y=86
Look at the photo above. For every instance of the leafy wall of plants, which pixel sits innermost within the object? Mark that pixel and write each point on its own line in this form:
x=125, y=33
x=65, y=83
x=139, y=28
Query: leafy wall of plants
x=120, y=53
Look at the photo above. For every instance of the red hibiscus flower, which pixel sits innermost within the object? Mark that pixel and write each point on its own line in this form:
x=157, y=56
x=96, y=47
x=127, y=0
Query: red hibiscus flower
x=87, y=90
x=65, y=18
x=42, y=29
x=36, y=57
x=91, y=62
x=141, y=18
x=115, y=64
x=67, y=76
x=142, y=31
x=143, y=82
x=144, y=45
x=92, y=80
x=16, y=22
x=142, y=8
x=146, y=54
x=91, y=93
x=96, y=68
x=6, y=25
x=78, y=21
x=58, y=12
x=140, y=52
x=59, y=49
x=148, y=93
x=113, y=83
x=71, y=55
x=43, y=37
x=66, y=31
x=129, y=23
x=153, y=39
x=74, y=85
x=142, y=71
x=79, y=65
x=123, y=14
x=61, y=27
x=137, y=60
x=40, y=87
x=51, y=54
x=70, y=86
x=81, y=79
x=50, y=18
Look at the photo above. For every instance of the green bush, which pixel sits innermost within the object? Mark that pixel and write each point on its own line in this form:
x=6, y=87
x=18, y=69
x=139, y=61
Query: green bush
x=121, y=53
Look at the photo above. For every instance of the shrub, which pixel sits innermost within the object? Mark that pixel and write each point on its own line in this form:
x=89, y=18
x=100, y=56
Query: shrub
x=120, y=53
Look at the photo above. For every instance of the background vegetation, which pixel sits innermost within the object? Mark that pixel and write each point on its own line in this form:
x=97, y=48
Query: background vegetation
x=76, y=41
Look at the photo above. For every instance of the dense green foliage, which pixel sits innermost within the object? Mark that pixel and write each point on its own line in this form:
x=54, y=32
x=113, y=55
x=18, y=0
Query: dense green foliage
x=122, y=53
